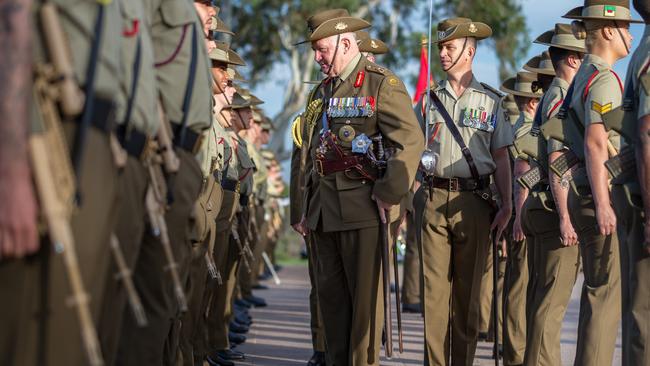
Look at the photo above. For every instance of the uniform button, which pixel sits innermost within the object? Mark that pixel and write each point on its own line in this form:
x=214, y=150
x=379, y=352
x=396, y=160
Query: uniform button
x=363, y=181
x=347, y=122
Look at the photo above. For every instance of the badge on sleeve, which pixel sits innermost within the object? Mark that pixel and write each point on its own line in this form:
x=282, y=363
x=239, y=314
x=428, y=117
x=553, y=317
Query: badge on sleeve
x=361, y=144
x=601, y=108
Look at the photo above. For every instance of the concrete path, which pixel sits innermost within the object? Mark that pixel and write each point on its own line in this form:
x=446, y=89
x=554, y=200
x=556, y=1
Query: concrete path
x=280, y=335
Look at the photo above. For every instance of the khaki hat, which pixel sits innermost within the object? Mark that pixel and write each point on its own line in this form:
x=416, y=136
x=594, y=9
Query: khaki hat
x=254, y=101
x=223, y=53
x=368, y=44
x=541, y=64
x=332, y=22
x=234, y=75
x=455, y=28
x=618, y=10
x=238, y=102
x=268, y=155
x=562, y=37
x=217, y=25
x=522, y=85
x=258, y=115
x=267, y=124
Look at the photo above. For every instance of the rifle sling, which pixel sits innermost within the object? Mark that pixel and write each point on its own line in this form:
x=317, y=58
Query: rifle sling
x=467, y=154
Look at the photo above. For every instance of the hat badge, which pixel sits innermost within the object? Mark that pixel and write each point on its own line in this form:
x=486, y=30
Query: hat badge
x=340, y=26
x=374, y=44
x=472, y=28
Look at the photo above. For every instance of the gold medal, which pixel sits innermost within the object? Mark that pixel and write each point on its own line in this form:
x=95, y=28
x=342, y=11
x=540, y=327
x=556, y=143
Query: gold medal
x=347, y=133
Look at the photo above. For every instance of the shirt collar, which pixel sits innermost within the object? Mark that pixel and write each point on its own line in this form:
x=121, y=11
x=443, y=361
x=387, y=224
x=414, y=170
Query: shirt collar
x=474, y=85
x=560, y=83
x=347, y=71
x=596, y=60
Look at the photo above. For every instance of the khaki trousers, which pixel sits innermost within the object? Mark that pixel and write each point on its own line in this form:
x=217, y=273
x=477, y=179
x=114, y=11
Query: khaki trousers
x=487, y=291
x=316, y=319
x=515, y=292
x=600, y=303
x=257, y=244
x=411, y=283
x=149, y=345
x=226, y=256
x=129, y=231
x=635, y=275
x=557, y=270
x=39, y=327
x=455, y=237
x=350, y=294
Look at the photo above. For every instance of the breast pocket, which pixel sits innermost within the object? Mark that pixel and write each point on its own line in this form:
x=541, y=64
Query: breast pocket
x=355, y=199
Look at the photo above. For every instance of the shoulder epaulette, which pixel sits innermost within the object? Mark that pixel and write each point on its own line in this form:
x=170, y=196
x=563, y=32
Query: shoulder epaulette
x=496, y=92
x=378, y=69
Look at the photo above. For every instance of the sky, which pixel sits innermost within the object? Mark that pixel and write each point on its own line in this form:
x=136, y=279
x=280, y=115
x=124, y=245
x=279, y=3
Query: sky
x=541, y=15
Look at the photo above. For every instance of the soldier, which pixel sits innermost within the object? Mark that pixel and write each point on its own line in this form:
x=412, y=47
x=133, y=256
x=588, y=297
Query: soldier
x=548, y=221
x=630, y=198
x=177, y=37
x=360, y=101
x=517, y=276
x=454, y=246
x=596, y=90
x=136, y=128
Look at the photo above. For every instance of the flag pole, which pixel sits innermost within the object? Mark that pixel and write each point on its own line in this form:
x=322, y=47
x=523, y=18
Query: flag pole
x=428, y=104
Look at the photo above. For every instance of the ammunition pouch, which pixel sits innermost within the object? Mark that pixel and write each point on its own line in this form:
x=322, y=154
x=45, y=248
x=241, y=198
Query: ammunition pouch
x=533, y=146
x=566, y=131
x=622, y=167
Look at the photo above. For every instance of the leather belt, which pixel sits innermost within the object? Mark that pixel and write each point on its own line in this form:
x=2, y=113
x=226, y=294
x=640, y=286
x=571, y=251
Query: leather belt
x=243, y=200
x=134, y=141
x=192, y=141
x=103, y=117
x=231, y=185
x=458, y=184
x=327, y=167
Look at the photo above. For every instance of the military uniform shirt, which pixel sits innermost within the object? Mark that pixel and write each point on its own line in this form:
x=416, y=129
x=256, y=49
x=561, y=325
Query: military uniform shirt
x=521, y=128
x=144, y=116
x=638, y=65
x=246, y=165
x=481, y=121
x=551, y=103
x=215, y=147
x=604, y=94
x=261, y=173
x=172, y=23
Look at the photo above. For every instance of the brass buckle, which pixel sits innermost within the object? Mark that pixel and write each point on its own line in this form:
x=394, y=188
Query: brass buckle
x=453, y=185
x=319, y=167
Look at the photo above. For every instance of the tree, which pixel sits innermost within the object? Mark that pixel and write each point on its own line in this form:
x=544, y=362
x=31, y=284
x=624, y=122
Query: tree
x=268, y=29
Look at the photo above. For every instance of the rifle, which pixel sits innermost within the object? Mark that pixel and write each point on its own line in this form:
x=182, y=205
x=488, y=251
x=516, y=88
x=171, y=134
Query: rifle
x=237, y=239
x=52, y=168
x=125, y=275
x=155, y=203
x=495, y=294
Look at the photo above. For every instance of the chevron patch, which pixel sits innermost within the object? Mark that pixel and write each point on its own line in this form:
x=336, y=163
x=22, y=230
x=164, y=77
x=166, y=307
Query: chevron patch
x=601, y=109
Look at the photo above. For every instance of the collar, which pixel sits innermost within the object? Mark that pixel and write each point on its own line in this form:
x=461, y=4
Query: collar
x=474, y=85
x=349, y=68
x=559, y=83
x=597, y=61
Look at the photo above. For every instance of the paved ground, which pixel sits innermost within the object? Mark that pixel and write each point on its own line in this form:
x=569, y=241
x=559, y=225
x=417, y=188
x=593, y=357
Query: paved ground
x=280, y=335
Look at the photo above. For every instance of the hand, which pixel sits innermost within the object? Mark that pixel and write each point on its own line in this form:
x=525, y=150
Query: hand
x=606, y=219
x=504, y=248
x=382, y=207
x=517, y=231
x=301, y=227
x=567, y=233
x=18, y=233
x=501, y=220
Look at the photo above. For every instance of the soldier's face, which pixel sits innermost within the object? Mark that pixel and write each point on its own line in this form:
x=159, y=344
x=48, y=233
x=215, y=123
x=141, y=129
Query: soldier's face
x=265, y=137
x=205, y=12
x=624, y=40
x=324, y=53
x=221, y=77
x=451, y=51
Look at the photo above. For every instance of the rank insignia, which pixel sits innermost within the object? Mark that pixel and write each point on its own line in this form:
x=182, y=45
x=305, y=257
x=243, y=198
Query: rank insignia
x=361, y=144
x=601, y=108
x=347, y=133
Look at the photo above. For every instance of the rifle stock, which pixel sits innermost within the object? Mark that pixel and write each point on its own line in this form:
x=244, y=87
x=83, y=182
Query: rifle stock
x=125, y=275
x=54, y=181
x=242, y=252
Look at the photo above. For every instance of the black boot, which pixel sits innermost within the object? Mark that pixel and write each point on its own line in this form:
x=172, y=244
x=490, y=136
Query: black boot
x=317, y=359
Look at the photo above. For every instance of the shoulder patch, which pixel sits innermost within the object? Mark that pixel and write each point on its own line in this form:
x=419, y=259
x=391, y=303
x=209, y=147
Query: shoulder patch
x=377, y=69
x=645, y=82
x=393, y=81
x=491, y=89
x=601, y=108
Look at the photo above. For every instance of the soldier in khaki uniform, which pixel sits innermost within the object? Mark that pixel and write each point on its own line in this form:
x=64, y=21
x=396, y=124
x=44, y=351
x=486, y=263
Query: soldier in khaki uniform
x=454, y=246
x=518, y=267
x=177, y=37
x=360, y=101
x=136, y=127
x=597, y=89
x=552, y=234
x=630, y=199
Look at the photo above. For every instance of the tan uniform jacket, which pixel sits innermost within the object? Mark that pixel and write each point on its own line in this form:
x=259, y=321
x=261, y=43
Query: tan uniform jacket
x=342, y=202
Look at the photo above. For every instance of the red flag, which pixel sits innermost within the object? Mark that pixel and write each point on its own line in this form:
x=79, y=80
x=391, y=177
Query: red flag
x=421, y=86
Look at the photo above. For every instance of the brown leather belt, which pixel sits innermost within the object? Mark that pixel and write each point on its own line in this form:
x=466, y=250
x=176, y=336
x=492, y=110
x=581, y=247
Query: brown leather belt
x=327, y=167
x=133, y=141
x=458, y=184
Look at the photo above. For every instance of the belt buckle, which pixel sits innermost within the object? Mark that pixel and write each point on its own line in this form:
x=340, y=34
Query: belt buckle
x=319, y=167
x=453, y=185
